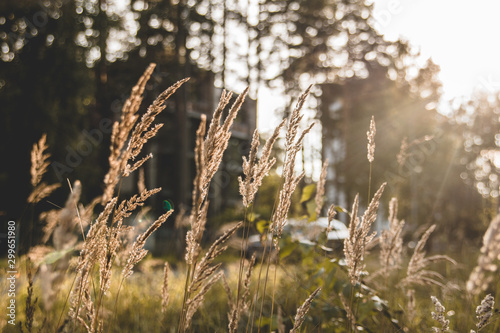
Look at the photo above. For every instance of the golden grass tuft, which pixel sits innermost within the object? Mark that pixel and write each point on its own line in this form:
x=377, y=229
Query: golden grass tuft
x=391, y=240
x=482, y=275
x=256, y=171
x=371, y=141
x=302, y=311
x=293, y=145
x=439, y=316
x=39, y=164
x=359, y=237
x=165, y=295
x=126, y=130
x=320, y=189
x=417, y=272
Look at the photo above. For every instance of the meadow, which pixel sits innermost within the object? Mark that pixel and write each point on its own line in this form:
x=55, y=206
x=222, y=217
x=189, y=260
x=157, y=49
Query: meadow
x=93, y=274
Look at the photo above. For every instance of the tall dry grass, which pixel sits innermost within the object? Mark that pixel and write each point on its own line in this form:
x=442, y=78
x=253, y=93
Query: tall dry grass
x=109, y=251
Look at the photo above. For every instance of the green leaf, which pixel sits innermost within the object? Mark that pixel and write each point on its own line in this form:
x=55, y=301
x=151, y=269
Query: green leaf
x=286, y=250
x=252, y=217
x=262, y=226
x=311, y=210
x=341, y=209
x=307, y=192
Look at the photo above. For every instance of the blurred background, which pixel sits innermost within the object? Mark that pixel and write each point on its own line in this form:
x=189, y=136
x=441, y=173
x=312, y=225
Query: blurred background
x=426, y=71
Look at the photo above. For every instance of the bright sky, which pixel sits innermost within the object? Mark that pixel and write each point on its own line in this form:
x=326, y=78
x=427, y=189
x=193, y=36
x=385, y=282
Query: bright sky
x=460, y=36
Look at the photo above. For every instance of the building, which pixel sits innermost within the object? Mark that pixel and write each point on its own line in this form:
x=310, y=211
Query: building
x=345, y=111
x=173, y=166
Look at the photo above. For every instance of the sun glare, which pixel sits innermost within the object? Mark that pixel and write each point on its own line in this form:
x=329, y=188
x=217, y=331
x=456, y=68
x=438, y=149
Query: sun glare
x=458, y=35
